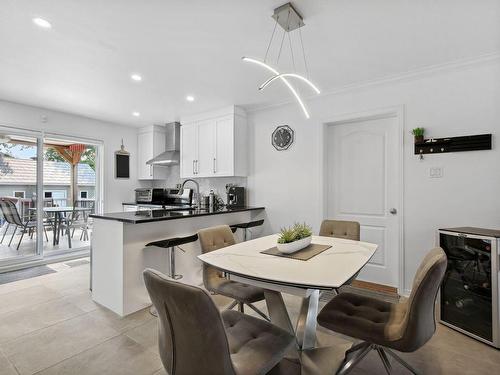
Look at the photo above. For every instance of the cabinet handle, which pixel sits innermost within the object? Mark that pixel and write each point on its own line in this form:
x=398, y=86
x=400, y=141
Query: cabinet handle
x=150, y=170
x=215, y=166
x=193, y=167
x=197, y=166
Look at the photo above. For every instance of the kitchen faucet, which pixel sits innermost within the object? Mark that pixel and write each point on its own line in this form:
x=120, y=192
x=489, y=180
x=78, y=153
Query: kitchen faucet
x=198, y=200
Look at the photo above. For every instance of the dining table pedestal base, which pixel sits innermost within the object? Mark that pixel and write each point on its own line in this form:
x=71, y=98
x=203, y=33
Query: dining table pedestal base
x=306, y=358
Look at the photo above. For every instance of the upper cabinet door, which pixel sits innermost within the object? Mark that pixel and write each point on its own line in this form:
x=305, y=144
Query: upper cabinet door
x=189, y=150
x=205, y=164
x=224, y=147
x=145, y=153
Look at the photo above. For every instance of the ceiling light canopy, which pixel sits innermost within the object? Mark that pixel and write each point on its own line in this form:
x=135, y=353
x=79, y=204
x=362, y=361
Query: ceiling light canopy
x=289, y=19
x=190, y=98
x=136, y=114
x=43, y=23
x=136, y=77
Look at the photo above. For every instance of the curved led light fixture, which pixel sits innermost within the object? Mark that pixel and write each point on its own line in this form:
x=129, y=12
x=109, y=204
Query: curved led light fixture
x=272, y=79
x=283, y=79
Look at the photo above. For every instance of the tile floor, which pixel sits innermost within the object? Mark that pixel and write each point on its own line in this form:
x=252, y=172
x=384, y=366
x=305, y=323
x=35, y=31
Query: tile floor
x=49, y=325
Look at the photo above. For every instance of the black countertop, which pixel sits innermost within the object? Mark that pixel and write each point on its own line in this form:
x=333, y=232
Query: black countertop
x=148, y=216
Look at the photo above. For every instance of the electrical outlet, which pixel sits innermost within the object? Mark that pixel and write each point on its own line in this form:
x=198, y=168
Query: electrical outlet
x=436, y=172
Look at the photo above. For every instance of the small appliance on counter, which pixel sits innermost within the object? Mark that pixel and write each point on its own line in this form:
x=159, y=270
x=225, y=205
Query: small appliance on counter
x=235, y=196
x=149, y=195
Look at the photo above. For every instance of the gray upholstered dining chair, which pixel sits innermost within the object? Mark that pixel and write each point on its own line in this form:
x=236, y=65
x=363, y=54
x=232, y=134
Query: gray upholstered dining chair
x=216, y=238
x=194, y=338
x=404, y=326
x=340, y=229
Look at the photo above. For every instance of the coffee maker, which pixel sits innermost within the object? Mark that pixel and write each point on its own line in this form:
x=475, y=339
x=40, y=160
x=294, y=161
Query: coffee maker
x=235, y=196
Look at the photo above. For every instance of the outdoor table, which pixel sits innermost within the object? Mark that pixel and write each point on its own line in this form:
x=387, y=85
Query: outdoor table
x=59, y=215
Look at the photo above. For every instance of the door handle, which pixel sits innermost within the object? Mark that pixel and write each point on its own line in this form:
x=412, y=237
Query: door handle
x=215, y=166
x=393, y=211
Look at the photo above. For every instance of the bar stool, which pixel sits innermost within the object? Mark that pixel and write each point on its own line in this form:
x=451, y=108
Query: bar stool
x=171, y=244
x=246, y=226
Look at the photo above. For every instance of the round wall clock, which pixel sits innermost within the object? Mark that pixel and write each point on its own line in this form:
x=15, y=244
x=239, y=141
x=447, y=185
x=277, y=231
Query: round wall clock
x=282, y=137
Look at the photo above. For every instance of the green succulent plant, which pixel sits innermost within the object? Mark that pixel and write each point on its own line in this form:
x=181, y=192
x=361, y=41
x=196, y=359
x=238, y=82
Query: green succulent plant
x=418, y=132
x=294, y=233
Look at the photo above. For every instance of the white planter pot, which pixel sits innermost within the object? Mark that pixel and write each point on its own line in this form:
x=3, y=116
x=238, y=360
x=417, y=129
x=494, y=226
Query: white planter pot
x=287, y=248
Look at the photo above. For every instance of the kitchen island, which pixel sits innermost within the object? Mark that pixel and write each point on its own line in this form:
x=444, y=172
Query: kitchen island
x=119, y=254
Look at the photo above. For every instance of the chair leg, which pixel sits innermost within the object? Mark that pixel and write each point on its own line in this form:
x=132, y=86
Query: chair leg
x=401, y=361
x=385, y=360
x=355, y=348
x=230, y=307
x=241, y=307
x=5, y=232
x=348, y=365
x=12, y=237
x=258, y=311
x=46, y=236
x=22, y=235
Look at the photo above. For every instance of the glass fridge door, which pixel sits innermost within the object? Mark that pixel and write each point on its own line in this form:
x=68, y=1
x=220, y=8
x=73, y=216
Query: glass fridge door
x=466, y=292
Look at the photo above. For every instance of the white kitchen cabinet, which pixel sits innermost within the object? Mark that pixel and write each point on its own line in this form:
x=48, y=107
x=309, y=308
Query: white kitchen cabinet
x=150, y=143
x=214, y=144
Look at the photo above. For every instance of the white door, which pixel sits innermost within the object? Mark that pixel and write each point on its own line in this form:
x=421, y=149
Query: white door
x=189, y=150
x=363, y=166
x=224, y=144
x=206, y=149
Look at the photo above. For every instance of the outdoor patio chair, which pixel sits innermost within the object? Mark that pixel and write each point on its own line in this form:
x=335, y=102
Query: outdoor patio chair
x=11, y=215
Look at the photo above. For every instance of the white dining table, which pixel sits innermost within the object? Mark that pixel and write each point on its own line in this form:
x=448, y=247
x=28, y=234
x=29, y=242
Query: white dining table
x=327, y=271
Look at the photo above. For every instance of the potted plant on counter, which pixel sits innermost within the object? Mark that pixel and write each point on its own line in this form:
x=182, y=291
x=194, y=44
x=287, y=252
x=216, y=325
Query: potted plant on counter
x=418, y=133
x=294, y=238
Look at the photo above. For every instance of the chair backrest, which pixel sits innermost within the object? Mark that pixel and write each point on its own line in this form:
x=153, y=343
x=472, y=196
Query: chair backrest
x=419, y=323
x=10, y=213
x=192, y=338
x=340, y=229
x=213, y=239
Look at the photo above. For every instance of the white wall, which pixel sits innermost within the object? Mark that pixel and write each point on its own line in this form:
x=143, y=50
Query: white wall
x=459, y=101
x=115, y=191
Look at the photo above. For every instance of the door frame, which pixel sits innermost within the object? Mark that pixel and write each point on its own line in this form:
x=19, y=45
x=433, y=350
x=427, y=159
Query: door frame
x=397, y=112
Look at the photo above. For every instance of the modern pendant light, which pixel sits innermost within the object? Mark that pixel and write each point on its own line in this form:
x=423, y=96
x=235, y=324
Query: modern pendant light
x=289, y=19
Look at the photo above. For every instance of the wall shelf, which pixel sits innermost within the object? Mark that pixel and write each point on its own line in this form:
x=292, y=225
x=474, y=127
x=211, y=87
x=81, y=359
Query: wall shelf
x=454, y=144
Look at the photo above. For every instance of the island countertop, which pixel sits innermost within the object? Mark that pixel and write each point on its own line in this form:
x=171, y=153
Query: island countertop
x=147, y=216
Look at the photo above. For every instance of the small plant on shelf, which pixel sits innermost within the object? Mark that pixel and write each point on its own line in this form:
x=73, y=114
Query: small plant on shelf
x=418, y=133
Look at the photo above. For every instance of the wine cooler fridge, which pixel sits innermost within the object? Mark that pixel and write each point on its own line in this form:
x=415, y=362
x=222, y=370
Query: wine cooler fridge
x=469, y=296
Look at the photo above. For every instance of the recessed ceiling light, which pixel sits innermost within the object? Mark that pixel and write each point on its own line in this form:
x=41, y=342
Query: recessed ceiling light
x=190, y=98
x=42, y=23
x=136, y=114
x=136, y=77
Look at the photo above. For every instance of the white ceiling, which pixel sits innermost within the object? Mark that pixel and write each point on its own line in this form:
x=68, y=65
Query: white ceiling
x=82, y=65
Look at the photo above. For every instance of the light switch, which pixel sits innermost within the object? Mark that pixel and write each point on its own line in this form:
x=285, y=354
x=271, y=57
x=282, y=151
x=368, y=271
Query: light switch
x=436, y=172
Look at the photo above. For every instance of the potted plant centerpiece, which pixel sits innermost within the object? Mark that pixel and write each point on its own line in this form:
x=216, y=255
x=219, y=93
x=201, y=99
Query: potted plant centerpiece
x=294, y=238
x=418, y=133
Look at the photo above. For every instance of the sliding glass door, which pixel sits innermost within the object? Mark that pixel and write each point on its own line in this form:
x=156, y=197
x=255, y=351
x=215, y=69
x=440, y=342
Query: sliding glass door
x=49, y=185
x=19, y=176
x=69, y=193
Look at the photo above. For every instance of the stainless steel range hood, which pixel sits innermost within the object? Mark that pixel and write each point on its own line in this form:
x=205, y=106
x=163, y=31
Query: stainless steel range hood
x=171, y=155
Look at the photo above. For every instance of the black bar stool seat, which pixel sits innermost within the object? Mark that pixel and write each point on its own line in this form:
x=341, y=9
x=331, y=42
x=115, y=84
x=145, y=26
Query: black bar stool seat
x=171, y=244
x=246, y=226
x=176, y=241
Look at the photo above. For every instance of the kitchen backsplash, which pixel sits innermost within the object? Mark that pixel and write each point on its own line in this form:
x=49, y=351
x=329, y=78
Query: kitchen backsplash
x=218, y=184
